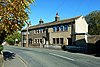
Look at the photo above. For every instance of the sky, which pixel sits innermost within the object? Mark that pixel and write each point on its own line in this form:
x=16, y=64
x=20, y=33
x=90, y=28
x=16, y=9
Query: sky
x=47, y=9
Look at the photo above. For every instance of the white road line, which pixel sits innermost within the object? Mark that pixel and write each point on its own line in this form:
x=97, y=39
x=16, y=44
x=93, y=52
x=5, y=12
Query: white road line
x=62, y=56
x=19, y=57
x=2, y=65
x=22, y=60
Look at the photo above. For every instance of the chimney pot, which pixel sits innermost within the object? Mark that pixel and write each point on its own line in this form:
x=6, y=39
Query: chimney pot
x=57, y=18
x=41, y=21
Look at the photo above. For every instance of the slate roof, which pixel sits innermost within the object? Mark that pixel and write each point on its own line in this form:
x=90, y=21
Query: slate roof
x=53, y=23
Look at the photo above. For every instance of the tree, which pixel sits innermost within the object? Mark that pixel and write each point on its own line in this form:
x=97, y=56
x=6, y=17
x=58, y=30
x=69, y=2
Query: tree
x=93, y=20
x=11, y=38
x=13, y=15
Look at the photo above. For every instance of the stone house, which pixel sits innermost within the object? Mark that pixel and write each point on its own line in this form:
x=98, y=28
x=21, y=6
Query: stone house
x=57, y=32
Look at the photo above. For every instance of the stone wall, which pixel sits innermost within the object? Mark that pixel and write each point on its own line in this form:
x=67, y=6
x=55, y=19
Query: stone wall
x=80, y=40
x=93, y=38
x=63, y=35
x=94, y=44
x=60, y=34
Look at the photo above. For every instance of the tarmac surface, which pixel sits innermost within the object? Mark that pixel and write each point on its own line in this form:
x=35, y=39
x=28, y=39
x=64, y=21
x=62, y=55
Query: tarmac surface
x=12, y=60
x=15, y=56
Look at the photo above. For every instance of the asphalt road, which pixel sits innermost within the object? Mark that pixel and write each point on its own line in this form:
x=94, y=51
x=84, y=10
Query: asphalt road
x=40, y=57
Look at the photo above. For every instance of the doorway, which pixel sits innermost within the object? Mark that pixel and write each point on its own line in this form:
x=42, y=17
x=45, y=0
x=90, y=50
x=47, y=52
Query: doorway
x=69, y=41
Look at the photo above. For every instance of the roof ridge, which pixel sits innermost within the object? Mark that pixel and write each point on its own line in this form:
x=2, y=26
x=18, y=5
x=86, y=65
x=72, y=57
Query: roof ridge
x=51, y=23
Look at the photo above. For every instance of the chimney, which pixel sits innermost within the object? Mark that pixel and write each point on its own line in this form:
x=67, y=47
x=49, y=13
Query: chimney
x=57, y=18
x=41, y=21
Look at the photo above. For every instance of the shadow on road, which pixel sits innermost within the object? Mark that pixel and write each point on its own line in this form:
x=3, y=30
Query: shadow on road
x=8, y=55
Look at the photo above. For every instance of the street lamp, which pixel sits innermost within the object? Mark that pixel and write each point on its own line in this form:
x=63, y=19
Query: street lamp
x=27, y=36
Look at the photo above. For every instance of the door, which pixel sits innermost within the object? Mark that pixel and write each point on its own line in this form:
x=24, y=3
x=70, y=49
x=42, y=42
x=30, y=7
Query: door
x=69, y=41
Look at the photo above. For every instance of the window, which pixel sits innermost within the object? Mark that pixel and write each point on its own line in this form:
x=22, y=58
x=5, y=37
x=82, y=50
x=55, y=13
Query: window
x=53, y=40
x=54, y=29
x=61, y=40
x=40, y=40
x=65, y=27
x=41, y=30
x=30, y=32
x=57, y=28
x=34, y=31
x=57, y=40
x=37, y=31
x=61, y=28
x=35, y=40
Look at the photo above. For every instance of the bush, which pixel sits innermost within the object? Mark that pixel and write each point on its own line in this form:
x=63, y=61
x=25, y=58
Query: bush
x=1, y=48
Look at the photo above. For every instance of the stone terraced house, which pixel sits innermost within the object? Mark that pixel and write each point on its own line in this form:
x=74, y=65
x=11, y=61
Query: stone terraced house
x=58, y=32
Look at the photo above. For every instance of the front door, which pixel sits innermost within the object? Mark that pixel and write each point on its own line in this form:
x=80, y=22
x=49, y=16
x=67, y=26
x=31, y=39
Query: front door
x=69, y=41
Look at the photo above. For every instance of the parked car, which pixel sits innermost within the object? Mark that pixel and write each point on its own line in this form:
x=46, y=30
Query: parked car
x=82, y=49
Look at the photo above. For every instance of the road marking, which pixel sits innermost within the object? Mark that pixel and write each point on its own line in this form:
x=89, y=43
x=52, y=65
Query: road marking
x=62, y=56
x=2, y=65
x=22, y=60
x=19, y=57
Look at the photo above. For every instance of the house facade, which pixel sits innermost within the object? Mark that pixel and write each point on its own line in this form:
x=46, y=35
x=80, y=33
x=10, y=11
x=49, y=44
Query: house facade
x=57, y=32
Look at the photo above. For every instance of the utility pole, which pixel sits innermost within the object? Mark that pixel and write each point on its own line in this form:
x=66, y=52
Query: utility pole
x=27, y=36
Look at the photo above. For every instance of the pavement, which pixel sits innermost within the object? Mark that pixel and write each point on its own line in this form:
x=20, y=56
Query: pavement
x=12, y=60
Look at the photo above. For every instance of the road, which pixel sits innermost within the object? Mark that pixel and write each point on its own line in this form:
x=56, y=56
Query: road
x=41, y=57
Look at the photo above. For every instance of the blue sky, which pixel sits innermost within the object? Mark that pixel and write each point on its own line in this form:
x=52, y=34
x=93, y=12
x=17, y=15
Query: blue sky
x=47, y=9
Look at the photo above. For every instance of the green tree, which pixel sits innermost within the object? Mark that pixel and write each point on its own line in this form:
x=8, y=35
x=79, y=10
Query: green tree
x=13, y=15
x=11, y=38
x=93, y=20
